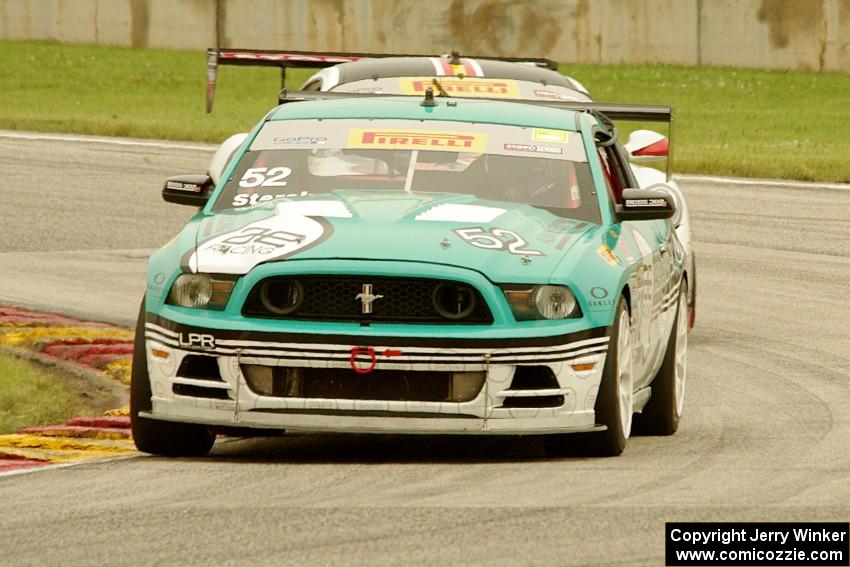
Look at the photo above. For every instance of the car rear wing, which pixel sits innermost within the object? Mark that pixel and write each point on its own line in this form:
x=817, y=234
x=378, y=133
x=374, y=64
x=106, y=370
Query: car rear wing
x=608, y=113
x=319, y=59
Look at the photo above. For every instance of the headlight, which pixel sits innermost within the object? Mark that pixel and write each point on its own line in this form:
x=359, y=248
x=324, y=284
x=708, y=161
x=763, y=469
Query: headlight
x=201, y=290
x=554, y=301
x=541, y=302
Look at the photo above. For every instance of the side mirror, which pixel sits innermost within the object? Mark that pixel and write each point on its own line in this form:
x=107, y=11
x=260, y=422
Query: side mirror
x=188, y=190
x=653, y=203
x=646, y=145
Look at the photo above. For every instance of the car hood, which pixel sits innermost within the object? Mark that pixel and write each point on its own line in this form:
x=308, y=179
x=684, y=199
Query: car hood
x=507, y=242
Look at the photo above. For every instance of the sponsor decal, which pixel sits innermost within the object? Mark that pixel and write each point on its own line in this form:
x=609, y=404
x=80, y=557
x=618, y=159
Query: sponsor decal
x=196, y=341
x=302, y=140
x=251, y=249
x=646, y=202
x=554, y=136
x=178, y=186
x=271, y=239
x=606, y=254
x=575, y=194
x=256, y=240
x=532, y=148
x=417, y=140
x=600, y=300
x=600, y=304
x=156, y=287
x=484, y=88
x=599, y=292
x=251, y=199
x=551, y=94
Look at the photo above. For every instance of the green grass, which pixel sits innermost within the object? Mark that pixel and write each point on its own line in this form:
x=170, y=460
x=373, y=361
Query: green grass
x=31, y=395
x=775, y=124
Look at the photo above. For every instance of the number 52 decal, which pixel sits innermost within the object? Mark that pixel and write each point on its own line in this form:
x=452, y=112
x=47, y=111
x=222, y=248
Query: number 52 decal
x=497, y=239
x=265, y=177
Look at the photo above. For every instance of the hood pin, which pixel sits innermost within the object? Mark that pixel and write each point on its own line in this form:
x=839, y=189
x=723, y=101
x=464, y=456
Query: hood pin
x=445, y=243
x=526, y=260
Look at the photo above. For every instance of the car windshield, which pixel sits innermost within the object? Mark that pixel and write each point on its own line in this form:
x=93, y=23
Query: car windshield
x=545, y=168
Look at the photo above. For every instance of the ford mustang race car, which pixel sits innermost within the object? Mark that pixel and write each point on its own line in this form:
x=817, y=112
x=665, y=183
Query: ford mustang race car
x=417, y=265
x=456, y=76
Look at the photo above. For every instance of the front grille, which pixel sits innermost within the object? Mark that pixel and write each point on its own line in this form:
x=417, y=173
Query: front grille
x=398, y=300
x=344, y=383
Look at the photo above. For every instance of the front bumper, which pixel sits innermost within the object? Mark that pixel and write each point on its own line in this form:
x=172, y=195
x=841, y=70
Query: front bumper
x=576, y=361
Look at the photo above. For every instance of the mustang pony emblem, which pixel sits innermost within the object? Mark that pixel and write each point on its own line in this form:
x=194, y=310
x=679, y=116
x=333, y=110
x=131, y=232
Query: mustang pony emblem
x=366, y=297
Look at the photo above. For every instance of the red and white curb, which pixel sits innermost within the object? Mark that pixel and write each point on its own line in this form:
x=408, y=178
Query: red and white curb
x=81, y=439
x=54, y=338
x=94, y=349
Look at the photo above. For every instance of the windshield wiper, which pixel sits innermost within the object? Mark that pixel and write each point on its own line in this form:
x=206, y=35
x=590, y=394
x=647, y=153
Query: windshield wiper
x=440, y=88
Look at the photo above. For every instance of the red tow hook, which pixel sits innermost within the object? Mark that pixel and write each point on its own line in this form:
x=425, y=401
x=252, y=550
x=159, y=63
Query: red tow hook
x=373, y=358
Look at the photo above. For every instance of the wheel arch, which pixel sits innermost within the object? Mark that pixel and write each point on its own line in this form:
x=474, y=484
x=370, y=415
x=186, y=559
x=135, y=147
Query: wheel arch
x=626, y=292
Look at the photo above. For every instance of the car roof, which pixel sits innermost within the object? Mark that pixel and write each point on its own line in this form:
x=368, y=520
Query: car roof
x=429, y=66
x=515, y=113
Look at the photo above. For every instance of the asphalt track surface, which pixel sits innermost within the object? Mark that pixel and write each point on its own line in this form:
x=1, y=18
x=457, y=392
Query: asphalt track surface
x=765, y=436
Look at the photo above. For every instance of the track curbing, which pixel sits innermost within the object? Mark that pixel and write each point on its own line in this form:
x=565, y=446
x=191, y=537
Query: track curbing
x=98, y=352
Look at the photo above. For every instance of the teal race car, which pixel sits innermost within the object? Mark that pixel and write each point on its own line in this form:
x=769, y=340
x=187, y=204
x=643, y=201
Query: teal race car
x=415, y=265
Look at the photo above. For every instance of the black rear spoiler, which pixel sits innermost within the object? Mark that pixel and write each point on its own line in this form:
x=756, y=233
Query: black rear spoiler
x=319, y=60
x=606, y=111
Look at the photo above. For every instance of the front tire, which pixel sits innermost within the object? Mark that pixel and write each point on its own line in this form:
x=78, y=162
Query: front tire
x=614, y=401
x=150, y=435
x=661, y=414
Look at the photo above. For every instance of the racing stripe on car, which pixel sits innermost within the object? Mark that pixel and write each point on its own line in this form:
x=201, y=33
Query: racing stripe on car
x=441, y=66
x=323, y=347
x=473, y=68
x=530, y=344
x=343, y=352
x=407, y=356
x=400, y=362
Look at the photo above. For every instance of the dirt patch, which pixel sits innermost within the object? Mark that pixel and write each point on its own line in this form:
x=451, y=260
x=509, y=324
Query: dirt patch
x=505, y=27
x=788, y=18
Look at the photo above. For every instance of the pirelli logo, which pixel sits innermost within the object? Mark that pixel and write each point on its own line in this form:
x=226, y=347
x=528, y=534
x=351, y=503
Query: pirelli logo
x=417, y=140
x=485, y=88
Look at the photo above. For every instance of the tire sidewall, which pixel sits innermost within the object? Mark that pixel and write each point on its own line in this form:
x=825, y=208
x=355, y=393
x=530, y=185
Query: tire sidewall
x=607, y=406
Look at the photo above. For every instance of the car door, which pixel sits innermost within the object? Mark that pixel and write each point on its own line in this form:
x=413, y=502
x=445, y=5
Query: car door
x=643, y=283
x=658, y=238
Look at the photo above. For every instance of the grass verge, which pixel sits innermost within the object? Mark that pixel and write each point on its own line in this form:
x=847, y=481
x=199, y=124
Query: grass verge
x=32, y=395
x=742, y=122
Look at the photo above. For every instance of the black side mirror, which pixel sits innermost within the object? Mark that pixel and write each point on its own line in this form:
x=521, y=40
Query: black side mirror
x=652, y=203
x=188, y=190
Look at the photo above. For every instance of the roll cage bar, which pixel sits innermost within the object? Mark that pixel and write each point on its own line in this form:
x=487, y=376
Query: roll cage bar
x=321, y=59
